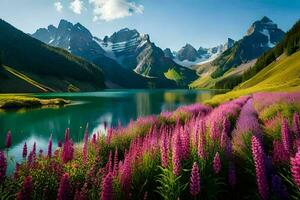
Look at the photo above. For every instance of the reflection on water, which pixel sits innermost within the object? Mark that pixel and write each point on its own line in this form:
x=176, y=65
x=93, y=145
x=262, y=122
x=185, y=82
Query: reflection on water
x=109, y=106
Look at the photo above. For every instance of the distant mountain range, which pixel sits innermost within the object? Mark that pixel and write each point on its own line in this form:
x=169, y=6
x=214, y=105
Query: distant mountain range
x=261, y=36
x=188, y=56
x=29, y=65
x=227, y=70
x=128, y=58
x=69, y=58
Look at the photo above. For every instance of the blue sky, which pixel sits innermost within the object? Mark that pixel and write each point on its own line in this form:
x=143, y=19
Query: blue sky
x=170, y=23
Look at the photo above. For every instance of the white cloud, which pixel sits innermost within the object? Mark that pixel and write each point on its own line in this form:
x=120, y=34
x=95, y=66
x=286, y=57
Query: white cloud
x=109, y=10
x=58, y=6
x=76, y=6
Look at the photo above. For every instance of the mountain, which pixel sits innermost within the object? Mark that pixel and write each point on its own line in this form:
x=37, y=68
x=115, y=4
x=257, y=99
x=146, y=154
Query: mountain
x=276, y=69
x=79, y=41
x=74, y=38
x=188, y=52
x=32, y=66
x=128, y=58
x=188, y=56
x=168, y=53
x=135, y=51
x=262, y=35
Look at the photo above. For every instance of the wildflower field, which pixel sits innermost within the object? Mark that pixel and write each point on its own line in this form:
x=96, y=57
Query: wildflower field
x=247, y=148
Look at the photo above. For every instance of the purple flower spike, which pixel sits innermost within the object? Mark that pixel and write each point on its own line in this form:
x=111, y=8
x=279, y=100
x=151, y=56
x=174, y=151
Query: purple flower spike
x=285, y=135
x=260, y=168
x=295, y=168
x=85, y=146
x=25, y=192
x=64, y=190
x=176, y=156
x=3, y=166
x=164, y=150
x=24, y=153
x=296, y=127
x=50, y=147
x=195, y=180
x=217, y=163
x=107, y=188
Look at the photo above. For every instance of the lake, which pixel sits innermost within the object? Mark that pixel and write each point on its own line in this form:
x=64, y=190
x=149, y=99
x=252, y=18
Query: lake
x=92, y=108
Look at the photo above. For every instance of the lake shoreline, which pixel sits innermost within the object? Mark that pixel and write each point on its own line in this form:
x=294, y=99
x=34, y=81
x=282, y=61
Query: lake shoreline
x=10, y=102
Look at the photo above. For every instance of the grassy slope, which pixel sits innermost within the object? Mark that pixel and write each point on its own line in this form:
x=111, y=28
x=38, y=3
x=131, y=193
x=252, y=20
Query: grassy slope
x=172, y=74
x=206, y=81
x=282, y=75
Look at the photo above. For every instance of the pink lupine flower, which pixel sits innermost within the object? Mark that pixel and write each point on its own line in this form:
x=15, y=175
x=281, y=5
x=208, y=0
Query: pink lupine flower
x=116, y=163
x=24, y=153
x=285, y=135
x=176, y=156
x=260, y=168
x=109, y=162
x=295, y=168
x=296, y=127
x=202, y=142
x=224, y=139
x=185, y=143
x=195, y=180
x=3, y=166
x=280, y=155
x=217, y=163
x=107, y=188
x=226, y=126
x=67, y=151
x=49, y=153
x=64, y=190
x=164, y=150
x=85, y=146
x=247, y=123
x=109, y=135
x=8, y=140
x=195, y=139
x=214, y=131
x=126, y=174
x=31, y=158
x=25, y=192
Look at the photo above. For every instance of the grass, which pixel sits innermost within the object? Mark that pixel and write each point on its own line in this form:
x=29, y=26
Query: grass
x=281, y=75
x=172, y=74
x=19, y=101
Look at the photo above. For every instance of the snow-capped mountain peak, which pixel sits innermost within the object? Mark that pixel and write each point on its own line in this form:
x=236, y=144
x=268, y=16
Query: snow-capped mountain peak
x=188, y=56
x=266, y=32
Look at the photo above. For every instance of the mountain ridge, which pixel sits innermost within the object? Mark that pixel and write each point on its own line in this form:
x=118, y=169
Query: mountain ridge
x=130, y=52
x=50, y=66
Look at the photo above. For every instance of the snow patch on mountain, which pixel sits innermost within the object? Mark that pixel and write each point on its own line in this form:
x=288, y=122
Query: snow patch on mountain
x=267, y=33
